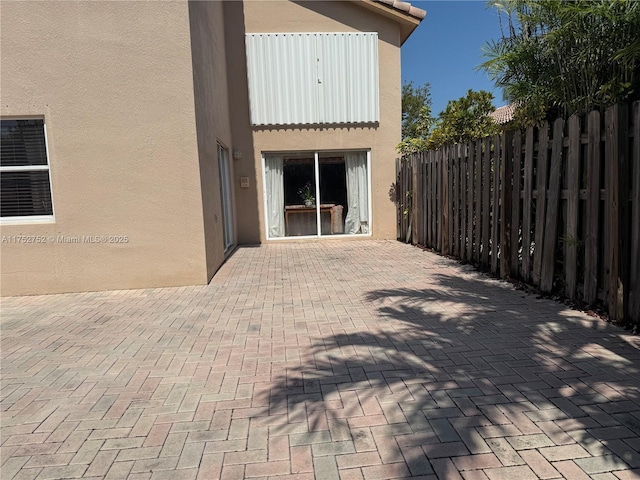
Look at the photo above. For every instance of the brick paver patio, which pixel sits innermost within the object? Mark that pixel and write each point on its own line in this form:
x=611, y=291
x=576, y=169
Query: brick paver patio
x=350, y=360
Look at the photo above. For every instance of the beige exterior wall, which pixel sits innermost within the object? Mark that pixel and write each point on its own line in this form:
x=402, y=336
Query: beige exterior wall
x=212, y=117
x=284, y=16
x=114, y=83
x=136, y=96
x=246, y=199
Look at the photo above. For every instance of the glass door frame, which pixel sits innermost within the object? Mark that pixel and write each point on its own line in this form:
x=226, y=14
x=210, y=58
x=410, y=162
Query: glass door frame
x=316, y=157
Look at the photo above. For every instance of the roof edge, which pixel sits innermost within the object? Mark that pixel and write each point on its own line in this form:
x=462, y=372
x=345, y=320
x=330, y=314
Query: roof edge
x=404, y=7
x=406, y=15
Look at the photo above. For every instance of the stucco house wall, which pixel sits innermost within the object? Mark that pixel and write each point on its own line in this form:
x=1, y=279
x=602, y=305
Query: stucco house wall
x=213, y=125
x=136, y=97
x=284, y=16
x=114, y=83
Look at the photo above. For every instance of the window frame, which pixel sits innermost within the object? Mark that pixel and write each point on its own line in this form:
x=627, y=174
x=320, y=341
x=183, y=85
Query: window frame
x=29, y=219
x=316, y=161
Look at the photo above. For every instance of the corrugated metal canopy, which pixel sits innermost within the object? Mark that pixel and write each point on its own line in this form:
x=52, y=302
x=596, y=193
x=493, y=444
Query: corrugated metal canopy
x=313, y=78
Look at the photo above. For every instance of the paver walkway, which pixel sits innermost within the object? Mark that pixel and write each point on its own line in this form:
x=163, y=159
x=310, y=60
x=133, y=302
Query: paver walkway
x=327, y=360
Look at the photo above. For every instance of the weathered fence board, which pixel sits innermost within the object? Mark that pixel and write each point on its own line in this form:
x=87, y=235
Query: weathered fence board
x=486, y=200
x=450, y=197
x=506, y=200
x=417, y=190
x=495, y=205
x=439, y=176
x=397, y=189
x=527, y=201
x=541, y=201
x=470, y=191
x=432, y=199
x=592, y=209
x=435, y=235
x=616, y=190
x=551, y=223
x=516, y=175
x=455, y=179
x=478, y=205
x=573, y=187
x=463, y=200
x=445, y=205
x=634, y=280
x=425, y=198
x=538, y=205
x=400, y=193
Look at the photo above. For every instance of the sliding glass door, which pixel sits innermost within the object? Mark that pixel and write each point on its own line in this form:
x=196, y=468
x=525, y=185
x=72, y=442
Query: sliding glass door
x=224, y=168
x=317, y=194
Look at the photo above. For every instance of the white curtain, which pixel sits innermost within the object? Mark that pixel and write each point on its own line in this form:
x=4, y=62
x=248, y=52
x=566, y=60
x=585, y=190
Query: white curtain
x=274, y=165
x=357, y=220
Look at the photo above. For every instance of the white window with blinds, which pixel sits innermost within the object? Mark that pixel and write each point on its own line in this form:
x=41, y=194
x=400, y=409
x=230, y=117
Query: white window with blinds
x=313, y=78
x=25, y=183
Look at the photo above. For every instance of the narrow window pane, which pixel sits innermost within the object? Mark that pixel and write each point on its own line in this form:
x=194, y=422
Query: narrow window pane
x=333, y=194
x=25, y=194
x=357, y=218
x=274, y=178
x=300, y=197
x=344, y=190
x=340, y=206
x=291, y=195
x=22, y=143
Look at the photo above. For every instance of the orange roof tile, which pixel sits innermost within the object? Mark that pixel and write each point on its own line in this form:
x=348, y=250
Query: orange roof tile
x=404, y=7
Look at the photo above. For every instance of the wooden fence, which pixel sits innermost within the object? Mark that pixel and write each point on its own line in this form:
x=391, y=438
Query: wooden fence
x=557, y=206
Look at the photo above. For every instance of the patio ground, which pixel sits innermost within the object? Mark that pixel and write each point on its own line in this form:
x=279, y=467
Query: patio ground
x=323, y=360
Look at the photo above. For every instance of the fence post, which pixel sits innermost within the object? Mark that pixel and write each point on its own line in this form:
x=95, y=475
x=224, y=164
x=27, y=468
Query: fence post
x=616, y=205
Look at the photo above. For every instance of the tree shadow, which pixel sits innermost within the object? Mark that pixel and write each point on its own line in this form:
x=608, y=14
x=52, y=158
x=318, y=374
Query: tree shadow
x=462, y=369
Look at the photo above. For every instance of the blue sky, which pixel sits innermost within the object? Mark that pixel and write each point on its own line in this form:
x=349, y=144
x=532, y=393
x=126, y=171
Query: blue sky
x=447, y=46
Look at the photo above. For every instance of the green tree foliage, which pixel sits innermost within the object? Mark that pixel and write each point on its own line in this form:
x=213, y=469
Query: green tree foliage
x=464, y=119
x=417, y=120
x=560, y=57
